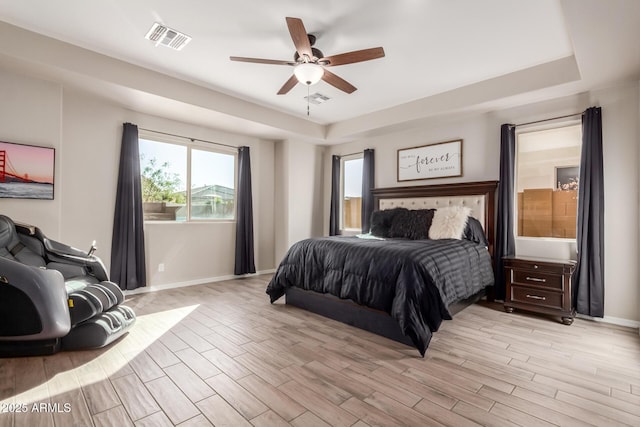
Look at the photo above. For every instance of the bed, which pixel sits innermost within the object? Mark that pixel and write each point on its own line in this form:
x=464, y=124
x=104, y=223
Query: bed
x=400, y=288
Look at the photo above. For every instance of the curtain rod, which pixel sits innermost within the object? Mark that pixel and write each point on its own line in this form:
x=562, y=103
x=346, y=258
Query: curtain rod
x=350, y=154
x=190, y=139
x=547, y=120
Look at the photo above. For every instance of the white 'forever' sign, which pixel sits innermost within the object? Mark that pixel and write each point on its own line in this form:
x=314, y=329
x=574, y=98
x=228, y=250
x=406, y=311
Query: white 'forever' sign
x=443, y=159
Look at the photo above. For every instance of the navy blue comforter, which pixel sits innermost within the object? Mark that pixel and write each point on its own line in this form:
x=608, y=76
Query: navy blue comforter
x=412, y=280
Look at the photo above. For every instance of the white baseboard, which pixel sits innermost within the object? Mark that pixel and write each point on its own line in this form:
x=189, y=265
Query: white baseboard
x=612, y=320
x=154, y=288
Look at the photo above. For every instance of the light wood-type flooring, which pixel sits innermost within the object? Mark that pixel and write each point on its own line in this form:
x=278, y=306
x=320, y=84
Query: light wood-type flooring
x=221, y=355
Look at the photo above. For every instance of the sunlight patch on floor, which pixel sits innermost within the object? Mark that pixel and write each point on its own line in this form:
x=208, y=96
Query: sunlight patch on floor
x=92, y=366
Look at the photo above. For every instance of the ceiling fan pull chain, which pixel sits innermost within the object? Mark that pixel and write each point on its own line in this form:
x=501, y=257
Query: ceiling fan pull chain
x=308, y=86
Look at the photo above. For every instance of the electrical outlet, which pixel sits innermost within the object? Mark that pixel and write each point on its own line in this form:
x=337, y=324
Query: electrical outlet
x=161, y=267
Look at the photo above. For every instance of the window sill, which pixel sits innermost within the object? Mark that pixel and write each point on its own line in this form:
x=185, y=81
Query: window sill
x=199, y=221
x=546, y=239
x=350, y=231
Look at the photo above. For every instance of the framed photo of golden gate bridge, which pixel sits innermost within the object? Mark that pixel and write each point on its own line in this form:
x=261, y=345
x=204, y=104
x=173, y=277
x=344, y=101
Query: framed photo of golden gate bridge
x=440, y=160
x=26, y=171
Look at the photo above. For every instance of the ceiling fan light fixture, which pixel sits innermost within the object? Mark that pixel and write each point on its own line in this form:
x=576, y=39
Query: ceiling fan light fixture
x=309, y=62
x=308, y=73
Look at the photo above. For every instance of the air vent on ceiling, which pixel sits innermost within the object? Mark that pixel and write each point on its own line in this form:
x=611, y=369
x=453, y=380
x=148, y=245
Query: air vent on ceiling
x=163, y=35
x=317, y=98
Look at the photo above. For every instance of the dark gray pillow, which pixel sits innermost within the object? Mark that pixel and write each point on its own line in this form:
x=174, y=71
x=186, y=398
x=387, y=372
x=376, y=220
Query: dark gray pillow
x=381, y=221
x=412, y=224
x=474, y=232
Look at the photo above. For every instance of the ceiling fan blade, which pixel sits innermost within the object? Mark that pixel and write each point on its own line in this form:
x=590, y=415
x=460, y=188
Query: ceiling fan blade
x=351, y=57
x=288, y=85
x=261, y=61
x=299, y=37
x=338, y=82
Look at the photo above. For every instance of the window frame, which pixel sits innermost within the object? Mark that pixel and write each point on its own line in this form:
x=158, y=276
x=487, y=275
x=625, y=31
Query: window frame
x=531, y=129
x=344, y=159
x=191, y=144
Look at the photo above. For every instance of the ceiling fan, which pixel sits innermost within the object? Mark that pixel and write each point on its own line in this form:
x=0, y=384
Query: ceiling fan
x=309, y=63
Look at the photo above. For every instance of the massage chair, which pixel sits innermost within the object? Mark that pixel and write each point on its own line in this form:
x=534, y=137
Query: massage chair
x=54, y=297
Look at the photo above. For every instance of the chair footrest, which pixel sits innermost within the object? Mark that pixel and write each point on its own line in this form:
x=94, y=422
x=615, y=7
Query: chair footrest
x=100, y=330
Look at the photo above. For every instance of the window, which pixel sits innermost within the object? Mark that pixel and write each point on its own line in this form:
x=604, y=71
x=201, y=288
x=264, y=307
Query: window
x=351, y=192
x=186, y=182
x=212, y=185
x=547, y=172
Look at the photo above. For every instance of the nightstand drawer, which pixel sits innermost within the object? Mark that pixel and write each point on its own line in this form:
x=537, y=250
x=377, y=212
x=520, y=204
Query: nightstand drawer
x=538, y=297
x=547, y=268
x=531, y=278
x=534, y=265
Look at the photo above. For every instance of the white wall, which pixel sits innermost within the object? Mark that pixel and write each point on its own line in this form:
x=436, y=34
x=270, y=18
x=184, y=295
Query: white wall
x=305, y=191
x=481, y=147
x=299, y=193
x=88, y=161
x=620, y=145
x=86, y=131
x=281, y=197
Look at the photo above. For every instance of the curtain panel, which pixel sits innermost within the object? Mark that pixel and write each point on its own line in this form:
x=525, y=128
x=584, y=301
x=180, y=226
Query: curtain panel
x=368, y=184
x=128, y=267
x=588, y=277
x=244, y=261
x=334, y=212
x=505, y=240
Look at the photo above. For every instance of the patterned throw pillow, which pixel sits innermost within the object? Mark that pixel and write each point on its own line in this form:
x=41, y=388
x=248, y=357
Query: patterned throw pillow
x=412, y=224
x=381, y=221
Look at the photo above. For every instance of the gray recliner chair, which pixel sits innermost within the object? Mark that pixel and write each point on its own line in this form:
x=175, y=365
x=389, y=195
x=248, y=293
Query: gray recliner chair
x=53, y=296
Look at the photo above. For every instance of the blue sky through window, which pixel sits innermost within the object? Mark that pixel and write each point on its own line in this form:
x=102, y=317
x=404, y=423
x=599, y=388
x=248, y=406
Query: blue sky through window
x=207, y=167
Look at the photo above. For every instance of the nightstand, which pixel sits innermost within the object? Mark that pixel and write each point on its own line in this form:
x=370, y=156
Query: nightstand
x=540, y=285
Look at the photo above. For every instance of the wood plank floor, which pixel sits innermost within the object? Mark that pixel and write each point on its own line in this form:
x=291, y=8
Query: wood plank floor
x=220, y=354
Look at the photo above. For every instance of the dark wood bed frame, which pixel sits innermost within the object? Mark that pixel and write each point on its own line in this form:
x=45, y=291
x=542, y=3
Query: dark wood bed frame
x=379, y=322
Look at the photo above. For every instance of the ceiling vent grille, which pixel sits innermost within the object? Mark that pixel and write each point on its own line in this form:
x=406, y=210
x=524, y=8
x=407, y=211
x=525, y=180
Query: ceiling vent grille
x=163, y=35
x=317, y=98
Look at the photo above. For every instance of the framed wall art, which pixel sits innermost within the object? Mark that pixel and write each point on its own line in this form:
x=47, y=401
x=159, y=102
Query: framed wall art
x=567, y=177
x=26, y=171
x=440, y=160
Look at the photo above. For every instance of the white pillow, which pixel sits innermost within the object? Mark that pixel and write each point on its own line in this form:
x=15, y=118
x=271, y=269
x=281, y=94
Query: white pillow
x=449, y=223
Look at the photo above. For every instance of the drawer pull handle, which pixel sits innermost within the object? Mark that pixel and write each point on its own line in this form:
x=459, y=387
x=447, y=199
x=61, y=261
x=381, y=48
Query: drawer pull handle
x=535, y=279
x=536, y=297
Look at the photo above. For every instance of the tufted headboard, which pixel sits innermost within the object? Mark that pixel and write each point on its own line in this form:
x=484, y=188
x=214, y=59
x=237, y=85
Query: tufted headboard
x=479, y=196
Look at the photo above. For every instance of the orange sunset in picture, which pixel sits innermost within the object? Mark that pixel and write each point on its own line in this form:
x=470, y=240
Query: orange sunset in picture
x=26, y=171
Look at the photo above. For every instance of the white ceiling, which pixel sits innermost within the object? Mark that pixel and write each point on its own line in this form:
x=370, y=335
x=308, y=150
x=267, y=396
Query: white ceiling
x=441, y=56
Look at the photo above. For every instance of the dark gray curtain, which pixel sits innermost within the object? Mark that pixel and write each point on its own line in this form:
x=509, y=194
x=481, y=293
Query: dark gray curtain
x=334, y=213
x=245, y=263
x=128, y=267
x=505, y=240
x=368, y=177
x=588, y=278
